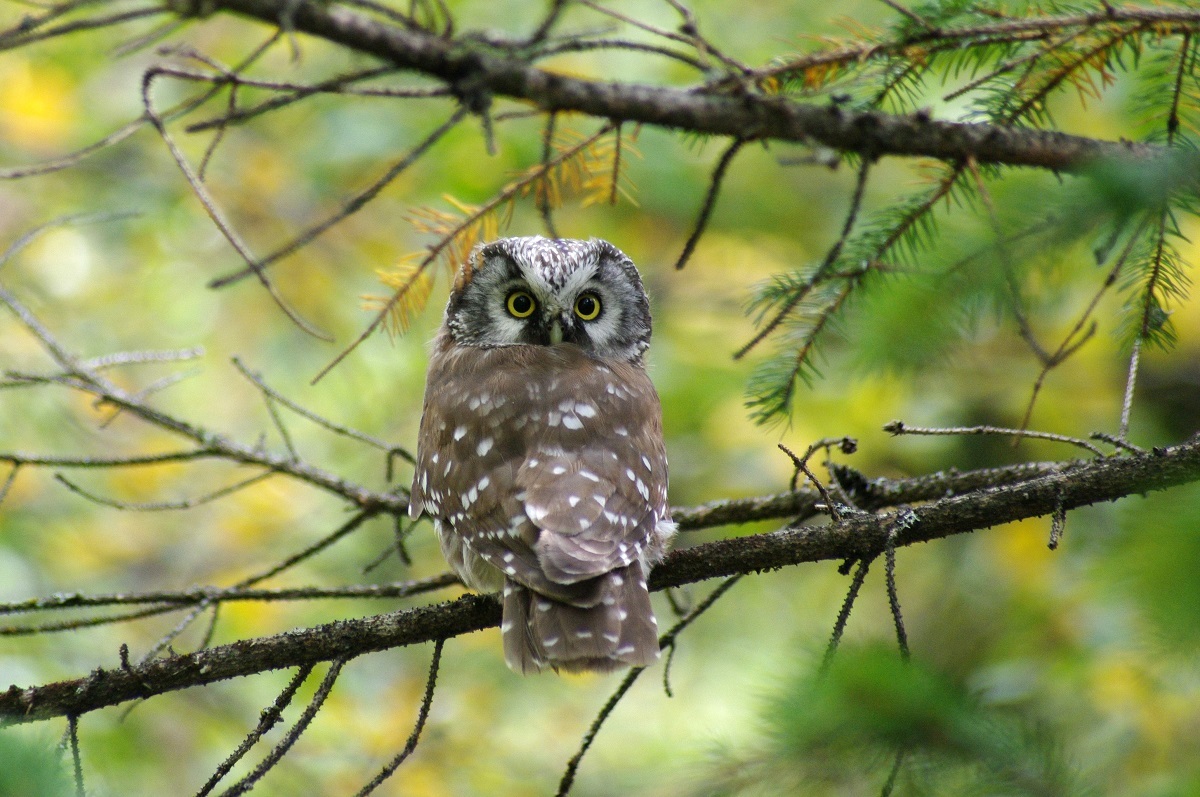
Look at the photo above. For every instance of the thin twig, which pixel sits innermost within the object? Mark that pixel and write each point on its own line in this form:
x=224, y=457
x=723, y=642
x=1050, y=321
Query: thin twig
x=905, y=520
x=213, y=211
x=141, y=357
x=350, y=207
x=162, y=602
x=166, y=640
x=249, y=781
x=892, y=4
x=839, y=625
x=1130, y=381
x=12, y=42
x=71, y=219
x=162, y=506
x=1117, y=442
x=422, y=715
x=577, y=45
x=899, y=428
x=890, y=784
x=211, y=444
x=1008, y=264
x=1058, y=523
x=76, y=761
x=666, y=640
x=547, y=24
x=275, y=396
x=1069, y=344
x=87, y=622
x=541, y=198
x=8, y=481
x=710, y=201
x=268, y=719
x=822, y=270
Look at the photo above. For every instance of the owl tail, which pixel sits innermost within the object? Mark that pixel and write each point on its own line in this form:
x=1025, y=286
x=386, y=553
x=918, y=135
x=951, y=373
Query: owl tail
x=611, y=628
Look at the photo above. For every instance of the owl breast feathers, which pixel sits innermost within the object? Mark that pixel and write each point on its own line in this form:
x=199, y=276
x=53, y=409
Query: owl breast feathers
x=542, y=464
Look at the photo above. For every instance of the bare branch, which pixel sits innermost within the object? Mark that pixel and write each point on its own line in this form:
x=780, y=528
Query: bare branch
x=900, y=428
x=839, y=625
x=757, y=116
x=352, y=206
x=857, y=536
x=666, y=641
x=217, y=595
x=310, y=711
x=336, y=428
x=710, y=201
x=422, y=715
x=213, y=211
x=209, y=443
x=269, y=718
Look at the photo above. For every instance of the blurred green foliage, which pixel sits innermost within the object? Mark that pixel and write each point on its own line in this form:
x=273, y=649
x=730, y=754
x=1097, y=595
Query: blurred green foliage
x=32, y=768
x=1033, y=672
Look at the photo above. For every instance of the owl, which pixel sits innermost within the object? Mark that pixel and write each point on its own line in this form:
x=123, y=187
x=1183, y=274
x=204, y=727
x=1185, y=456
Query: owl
x=540, y=455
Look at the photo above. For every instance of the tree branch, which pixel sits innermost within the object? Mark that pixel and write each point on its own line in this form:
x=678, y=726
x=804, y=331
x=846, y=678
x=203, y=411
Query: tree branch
x=475, y=69
x=1068, y=486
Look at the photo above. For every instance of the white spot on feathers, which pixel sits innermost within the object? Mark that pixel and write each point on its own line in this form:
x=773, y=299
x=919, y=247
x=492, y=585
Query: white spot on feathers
x=585, y=410
x=485, y=445
x=572, y=422
x=460, y=432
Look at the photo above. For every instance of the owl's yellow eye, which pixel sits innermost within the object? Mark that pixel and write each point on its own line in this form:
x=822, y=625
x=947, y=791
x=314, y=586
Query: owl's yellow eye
x=521, y=304
x=587, y=306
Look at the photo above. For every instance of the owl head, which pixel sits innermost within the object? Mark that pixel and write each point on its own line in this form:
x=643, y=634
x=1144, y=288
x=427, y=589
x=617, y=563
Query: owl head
x=542, y=292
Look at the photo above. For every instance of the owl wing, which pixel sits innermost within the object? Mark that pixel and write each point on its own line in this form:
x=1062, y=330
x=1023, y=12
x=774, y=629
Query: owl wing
x=546, y=462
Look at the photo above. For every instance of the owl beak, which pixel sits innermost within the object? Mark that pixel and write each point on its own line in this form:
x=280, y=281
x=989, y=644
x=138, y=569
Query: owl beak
x=556, y=332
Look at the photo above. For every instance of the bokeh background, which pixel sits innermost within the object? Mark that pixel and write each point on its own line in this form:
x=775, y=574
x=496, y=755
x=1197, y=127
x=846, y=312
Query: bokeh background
x=1086, y=655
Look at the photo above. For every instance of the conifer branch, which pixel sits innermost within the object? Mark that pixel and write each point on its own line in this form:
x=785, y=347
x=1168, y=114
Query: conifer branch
x=479, y=69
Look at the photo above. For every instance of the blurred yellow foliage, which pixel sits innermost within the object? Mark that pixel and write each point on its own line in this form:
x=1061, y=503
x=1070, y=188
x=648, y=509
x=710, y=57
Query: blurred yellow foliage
x=37, y=104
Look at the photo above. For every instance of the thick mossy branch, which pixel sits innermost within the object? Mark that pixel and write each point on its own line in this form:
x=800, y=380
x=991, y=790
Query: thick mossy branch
x=859, y=536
